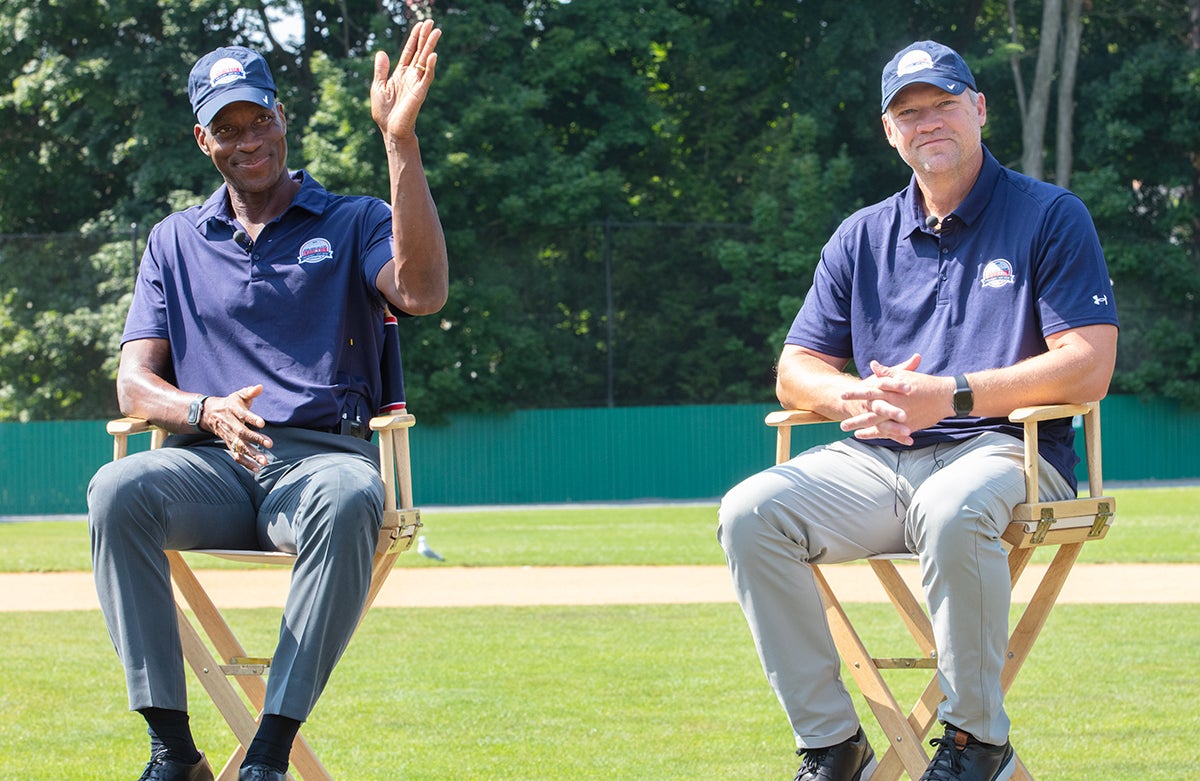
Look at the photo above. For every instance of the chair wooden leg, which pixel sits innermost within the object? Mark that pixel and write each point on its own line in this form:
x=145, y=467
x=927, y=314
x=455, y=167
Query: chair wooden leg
x=1018, y=559
x=906, y=604
x=220, y=691
x=237, y=714
x=305, y=761
x=1020, y=772
x=904, y=743
x=229, y=772
x=1037, y=611
x=214, y=624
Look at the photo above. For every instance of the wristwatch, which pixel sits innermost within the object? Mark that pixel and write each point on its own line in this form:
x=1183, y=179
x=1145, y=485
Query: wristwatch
x=195, y=411
x=964, y=397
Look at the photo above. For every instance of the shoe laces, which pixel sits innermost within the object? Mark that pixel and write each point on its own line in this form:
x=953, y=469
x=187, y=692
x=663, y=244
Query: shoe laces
x=811, y=760
x=946, y=763
x=157, y=760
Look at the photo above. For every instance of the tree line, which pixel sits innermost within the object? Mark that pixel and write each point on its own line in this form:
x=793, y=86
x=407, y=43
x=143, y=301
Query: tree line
x=634, y=193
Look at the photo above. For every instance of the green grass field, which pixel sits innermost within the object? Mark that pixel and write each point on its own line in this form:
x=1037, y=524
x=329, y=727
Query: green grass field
x=1154, y=525
x=634, y=693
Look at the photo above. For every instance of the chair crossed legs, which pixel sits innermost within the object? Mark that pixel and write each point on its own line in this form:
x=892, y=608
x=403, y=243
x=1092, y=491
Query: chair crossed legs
x=1066, y=524
x=400, y=523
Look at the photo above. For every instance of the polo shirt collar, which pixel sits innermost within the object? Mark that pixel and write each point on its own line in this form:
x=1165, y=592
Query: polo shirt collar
x=967, y=211
x=312, y=197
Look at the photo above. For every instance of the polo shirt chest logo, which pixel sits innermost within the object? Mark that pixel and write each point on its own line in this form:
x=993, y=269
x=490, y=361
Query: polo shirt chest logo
x=315, y=251
x=997, y=273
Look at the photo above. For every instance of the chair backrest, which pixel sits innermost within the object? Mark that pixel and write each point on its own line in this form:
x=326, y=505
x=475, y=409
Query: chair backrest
x=391, y=368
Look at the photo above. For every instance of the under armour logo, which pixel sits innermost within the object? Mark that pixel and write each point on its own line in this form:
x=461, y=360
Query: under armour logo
x=1098, y=300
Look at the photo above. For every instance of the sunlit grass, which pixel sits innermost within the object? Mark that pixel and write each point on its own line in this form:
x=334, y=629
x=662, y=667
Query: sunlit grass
x=1153, y=525
x=621, y=693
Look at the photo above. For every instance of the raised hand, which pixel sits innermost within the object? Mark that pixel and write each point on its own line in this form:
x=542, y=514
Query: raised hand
x=396, y=100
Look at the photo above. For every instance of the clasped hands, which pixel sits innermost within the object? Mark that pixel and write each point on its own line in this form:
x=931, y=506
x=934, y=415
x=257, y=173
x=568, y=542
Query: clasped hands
x=896, y=401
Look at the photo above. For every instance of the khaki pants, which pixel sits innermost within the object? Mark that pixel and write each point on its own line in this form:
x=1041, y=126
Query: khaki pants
x=947, y=503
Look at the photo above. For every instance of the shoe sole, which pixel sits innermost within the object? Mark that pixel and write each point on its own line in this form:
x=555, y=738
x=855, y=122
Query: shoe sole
x=1006, y=770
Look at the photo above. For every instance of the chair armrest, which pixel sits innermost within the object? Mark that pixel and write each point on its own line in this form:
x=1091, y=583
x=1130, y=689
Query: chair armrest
x=392, y=422
x=394, y=466
x=800, y=417
x=127, y=426
x=795, y=417
x=122, y=429
x=1048, y=412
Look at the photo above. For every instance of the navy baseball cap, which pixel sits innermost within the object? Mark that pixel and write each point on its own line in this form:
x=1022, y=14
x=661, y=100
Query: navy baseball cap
x=927, y=62
x=227, y=75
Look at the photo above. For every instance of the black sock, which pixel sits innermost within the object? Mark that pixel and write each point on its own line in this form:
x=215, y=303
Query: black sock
x=169, y=732
x=272, y=744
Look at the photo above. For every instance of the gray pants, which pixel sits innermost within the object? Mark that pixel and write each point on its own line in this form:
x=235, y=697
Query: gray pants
x=946, y=503
x=320, y=498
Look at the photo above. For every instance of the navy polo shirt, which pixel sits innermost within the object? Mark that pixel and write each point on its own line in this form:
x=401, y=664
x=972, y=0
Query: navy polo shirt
x=298, y=311
x=1017, y=261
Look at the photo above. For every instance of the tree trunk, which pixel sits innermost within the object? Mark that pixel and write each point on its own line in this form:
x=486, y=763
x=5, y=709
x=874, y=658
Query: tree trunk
x=1034, y=132
x=1015, y=62
x=1193, y=24
x=1064, y=157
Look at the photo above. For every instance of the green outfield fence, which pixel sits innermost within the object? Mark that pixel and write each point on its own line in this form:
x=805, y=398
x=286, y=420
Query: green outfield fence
x=578, y=455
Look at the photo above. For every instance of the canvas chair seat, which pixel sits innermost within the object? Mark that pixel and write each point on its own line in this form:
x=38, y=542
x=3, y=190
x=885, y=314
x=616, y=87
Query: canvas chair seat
x=1067, y=525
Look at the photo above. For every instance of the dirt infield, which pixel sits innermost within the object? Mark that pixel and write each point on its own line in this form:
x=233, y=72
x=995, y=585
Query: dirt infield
x=480, y=586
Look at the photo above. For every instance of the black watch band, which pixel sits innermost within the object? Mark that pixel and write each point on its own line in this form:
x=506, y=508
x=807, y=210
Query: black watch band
x=196, y=411
x=964, y=397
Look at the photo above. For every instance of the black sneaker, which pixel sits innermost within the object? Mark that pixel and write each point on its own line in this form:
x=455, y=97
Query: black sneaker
x=960, y=757
x=850, y=760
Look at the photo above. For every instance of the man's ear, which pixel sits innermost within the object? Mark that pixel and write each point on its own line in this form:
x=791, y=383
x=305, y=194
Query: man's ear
x=889, y=130
x=201, y=134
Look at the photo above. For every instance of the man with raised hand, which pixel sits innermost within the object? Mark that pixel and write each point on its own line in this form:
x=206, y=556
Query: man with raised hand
x=255, y=338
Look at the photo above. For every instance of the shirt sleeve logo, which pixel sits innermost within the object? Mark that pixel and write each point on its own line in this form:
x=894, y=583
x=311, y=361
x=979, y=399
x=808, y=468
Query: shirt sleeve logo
x=998, y=273
x=315, y=251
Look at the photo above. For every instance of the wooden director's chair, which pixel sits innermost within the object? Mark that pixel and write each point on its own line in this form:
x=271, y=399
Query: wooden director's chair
x=400, y=524
x=1067, y=524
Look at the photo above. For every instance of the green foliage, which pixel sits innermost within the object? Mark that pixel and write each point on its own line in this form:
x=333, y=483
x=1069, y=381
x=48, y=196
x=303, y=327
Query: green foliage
x=792, y=187
x=689, y=158
x=58, y=349
x=1145, y=208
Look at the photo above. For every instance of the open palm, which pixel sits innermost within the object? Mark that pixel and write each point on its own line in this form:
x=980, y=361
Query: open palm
x=396, y=100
